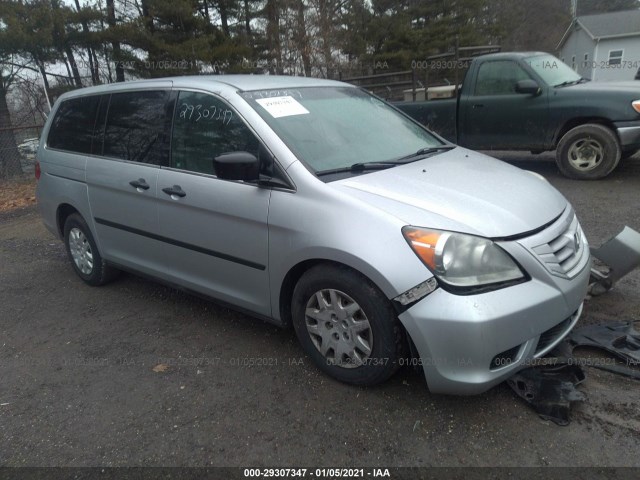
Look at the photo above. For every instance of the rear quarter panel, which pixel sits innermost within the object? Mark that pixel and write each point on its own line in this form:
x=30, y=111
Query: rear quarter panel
x=62, y=181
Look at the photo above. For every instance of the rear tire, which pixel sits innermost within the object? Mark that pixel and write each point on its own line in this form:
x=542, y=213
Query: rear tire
x=588, y=152
x=83, y=253
x=346, y=325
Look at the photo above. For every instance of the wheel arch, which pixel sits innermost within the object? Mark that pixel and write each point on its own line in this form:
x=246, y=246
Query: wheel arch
x=579, y=121
x=63, y=212
x=294, y=274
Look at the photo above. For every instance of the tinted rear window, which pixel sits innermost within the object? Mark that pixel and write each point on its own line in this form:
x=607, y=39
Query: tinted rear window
x=135, y=127
x=72, y=127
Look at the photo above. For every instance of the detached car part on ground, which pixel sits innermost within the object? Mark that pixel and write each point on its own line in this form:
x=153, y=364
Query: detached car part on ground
x=314, y=204
x=550, y=389
x=550, y=386
x=621, y=255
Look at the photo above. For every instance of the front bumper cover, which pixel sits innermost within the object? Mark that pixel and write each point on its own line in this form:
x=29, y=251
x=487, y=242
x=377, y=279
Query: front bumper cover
x=458, y=338
x=629, y=134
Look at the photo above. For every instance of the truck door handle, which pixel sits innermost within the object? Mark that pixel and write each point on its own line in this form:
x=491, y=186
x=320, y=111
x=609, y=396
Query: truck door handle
x=175, y=190
x=140, y=184
x=478, y=105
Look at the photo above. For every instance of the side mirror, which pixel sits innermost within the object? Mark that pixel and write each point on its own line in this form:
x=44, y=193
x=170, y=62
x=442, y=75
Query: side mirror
x=529, y=87
x=237, y=166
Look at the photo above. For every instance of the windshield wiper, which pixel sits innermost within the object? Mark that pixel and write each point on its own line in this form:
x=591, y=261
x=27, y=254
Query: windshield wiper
x=368, y=166
x=571, y=82
x=359, y=167
x=421, y=153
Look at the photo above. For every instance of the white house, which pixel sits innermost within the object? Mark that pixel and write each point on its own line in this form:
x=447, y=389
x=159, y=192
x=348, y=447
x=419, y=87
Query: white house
x=603, y=47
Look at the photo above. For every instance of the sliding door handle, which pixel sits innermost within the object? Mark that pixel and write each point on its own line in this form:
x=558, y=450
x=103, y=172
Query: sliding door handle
x=140, y=184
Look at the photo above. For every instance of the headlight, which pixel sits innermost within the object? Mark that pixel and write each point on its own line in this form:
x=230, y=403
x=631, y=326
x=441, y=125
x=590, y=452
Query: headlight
x=636, y=105
x=462, y=261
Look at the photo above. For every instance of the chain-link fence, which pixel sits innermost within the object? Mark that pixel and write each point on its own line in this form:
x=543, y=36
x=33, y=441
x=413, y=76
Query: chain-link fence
x=18, y=147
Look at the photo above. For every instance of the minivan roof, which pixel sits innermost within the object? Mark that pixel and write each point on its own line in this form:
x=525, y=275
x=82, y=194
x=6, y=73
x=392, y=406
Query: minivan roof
x=229, y=83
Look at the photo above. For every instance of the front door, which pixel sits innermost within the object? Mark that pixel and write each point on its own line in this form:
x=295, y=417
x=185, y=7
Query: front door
x=495, y=117
x=216, y=231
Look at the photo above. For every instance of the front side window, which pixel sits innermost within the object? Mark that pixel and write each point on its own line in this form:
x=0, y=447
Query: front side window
x=205, y=127
x=72, y=127
x=135, y=127
x=335, y=127
x=499, y=78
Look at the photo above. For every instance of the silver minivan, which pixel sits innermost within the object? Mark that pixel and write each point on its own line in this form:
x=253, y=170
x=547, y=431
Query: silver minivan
x=313, y=204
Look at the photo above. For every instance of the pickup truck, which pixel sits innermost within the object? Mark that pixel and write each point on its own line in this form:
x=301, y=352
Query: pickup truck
x=533, y=101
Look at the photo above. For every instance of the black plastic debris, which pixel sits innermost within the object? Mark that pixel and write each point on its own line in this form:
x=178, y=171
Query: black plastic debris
x=621, y=340
x=550, y=389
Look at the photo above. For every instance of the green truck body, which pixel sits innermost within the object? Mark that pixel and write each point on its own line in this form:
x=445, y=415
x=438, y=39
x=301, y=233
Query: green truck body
x=532, y=101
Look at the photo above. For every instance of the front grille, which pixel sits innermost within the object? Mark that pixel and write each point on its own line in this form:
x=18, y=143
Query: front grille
x=549, y=336
x=562, y=253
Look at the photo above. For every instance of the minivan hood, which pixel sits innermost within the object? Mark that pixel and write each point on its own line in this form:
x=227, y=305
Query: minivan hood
x=462, y=191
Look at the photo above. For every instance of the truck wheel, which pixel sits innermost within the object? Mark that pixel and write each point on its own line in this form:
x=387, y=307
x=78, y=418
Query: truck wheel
x=588, y=152
x=83, y=253
x=346, y=325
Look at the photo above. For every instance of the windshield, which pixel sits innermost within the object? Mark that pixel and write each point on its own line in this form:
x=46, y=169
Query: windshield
x=552, y=70
x=335, y=127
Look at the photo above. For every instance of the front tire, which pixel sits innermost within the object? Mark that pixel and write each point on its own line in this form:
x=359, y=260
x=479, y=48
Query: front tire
x=588, y=152
x=346, y=325
x=83, y=253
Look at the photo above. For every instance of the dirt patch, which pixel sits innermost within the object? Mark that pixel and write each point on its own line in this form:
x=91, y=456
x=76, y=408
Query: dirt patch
x=17, y=193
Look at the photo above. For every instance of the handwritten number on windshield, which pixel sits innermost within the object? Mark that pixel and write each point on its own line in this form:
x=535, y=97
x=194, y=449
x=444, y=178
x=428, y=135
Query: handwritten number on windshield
x=196, y=113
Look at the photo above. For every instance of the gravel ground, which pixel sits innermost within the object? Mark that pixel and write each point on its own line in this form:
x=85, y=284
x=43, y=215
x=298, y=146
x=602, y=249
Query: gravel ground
x=137, y=374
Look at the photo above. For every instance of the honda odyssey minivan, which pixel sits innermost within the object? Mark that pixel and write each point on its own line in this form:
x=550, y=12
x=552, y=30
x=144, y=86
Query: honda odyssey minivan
x=313, y=204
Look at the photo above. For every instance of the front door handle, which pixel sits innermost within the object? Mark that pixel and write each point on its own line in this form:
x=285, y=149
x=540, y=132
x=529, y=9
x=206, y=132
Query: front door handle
x=140, y=184
x=175, y=190
x=478, y=105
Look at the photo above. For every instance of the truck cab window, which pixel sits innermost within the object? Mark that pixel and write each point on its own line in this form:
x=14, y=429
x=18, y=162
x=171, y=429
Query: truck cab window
x=499, y=78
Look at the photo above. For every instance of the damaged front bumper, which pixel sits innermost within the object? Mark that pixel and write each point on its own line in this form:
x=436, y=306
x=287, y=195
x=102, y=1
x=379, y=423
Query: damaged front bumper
x=468, y=343
x=479, y=341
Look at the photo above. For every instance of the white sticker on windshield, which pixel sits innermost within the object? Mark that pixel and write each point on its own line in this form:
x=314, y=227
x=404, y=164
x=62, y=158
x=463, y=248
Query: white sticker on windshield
x=282, y=106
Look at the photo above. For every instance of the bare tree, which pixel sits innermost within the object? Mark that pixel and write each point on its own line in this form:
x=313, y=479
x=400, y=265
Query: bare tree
x=9, y=155
x=117, y=56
